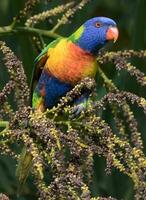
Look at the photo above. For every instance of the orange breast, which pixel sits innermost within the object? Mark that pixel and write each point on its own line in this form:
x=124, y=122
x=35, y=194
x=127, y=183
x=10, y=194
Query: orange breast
x=70, y=63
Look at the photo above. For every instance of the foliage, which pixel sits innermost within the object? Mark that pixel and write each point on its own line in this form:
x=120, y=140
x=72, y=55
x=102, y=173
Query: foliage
x=63, y=149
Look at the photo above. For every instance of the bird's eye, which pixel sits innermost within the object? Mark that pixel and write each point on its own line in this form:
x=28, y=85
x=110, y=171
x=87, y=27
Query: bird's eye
x=98, y=24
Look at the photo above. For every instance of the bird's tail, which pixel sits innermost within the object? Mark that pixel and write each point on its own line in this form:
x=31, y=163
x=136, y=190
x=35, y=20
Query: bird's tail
x=23, y=168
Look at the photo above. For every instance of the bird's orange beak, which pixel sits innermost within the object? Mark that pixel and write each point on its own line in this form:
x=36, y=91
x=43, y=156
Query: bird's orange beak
x=112, y=34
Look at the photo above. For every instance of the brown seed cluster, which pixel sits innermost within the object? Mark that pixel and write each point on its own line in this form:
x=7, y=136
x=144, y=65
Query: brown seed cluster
x=120, y=60
x=3, y=197
x=28, y=7
x=6, y=91
x=17, y=76
x=70, y=13
x=46, y=14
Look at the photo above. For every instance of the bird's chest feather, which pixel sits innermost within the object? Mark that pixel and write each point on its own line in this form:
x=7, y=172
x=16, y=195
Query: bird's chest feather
x=69, y=63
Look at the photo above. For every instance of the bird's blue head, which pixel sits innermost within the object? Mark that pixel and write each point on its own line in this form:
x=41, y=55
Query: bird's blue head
x=95, y=33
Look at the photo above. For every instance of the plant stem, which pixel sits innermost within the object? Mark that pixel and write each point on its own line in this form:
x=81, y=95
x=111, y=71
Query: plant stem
x=4, y=124
x=6, y=30
x=41, y=32
x=34, y=31
x=107, y=81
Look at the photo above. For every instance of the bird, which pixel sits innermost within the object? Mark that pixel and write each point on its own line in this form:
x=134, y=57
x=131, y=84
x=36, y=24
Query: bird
x=62, y=65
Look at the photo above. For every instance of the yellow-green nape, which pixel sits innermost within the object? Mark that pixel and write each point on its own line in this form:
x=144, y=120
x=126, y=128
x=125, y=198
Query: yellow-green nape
x=77, y=34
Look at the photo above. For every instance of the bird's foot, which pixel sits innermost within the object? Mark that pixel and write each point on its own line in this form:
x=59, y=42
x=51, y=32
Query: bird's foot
x=77, y=110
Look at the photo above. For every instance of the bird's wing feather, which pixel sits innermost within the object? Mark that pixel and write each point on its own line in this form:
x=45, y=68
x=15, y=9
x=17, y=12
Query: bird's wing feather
x=39, y=65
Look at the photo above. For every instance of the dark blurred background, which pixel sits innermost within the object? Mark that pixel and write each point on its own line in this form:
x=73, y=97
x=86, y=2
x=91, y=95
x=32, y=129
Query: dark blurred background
x=130, y=16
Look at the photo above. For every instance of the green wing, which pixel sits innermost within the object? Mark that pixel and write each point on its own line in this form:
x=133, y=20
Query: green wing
x=39, y=65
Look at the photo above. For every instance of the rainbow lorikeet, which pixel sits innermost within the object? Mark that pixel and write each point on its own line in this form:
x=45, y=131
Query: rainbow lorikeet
x=62, y=64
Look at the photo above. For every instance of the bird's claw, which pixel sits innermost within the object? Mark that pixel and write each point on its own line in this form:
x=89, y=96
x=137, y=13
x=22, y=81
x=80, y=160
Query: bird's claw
x=76, y=110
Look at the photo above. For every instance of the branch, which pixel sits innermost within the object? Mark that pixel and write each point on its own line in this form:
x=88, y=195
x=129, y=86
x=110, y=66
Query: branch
x=36, y=31
x=4, y=124
x=107, y=81
x=6, y=30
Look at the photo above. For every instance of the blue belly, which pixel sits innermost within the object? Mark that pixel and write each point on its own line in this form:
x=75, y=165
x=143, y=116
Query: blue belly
x=54, y=89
